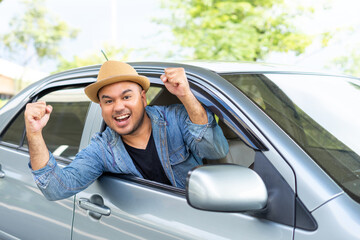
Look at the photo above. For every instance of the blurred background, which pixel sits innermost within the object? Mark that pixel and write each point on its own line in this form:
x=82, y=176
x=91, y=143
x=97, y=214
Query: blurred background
x=41, y=37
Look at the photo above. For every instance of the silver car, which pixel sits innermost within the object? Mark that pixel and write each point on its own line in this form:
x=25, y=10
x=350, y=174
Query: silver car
x=292, y=172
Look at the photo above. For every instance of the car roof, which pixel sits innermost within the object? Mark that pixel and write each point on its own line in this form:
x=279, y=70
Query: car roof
x=226, y=67
x=220, y=67
x=197, y=67
x=223, y=67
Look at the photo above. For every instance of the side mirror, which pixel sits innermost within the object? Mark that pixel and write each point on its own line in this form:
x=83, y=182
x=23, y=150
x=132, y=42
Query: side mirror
x=225, y=188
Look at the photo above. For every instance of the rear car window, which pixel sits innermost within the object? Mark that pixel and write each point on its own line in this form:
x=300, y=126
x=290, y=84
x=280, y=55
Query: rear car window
x=63, y=131
x=319, y=112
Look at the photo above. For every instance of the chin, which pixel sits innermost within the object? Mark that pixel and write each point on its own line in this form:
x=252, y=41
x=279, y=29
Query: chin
x=122, y=131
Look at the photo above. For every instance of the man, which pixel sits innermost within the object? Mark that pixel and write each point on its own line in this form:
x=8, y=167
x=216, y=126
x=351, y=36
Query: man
x=157, y=143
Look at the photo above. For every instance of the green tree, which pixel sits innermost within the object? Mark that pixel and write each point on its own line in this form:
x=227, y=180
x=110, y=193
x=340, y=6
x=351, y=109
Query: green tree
x=36, y=33
x=244, y=30
x=349, y=63
x=95, y=57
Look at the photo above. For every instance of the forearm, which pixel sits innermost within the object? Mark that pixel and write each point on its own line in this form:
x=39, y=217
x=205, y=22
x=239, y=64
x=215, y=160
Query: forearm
x=57, y=183
x=39, y=153
x=195, y=110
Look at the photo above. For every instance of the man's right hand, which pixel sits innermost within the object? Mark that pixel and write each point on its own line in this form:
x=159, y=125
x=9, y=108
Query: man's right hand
x=36, y=117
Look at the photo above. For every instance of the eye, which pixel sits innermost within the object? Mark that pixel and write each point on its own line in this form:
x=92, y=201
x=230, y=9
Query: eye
x=127, y=97
x=108, y=101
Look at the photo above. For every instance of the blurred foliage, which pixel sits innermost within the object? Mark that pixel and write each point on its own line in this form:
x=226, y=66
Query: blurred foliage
x=348, y=58
x=244, y=30
x=111, y=52
x=36, y=33
x=2, y=102
x=349, y=63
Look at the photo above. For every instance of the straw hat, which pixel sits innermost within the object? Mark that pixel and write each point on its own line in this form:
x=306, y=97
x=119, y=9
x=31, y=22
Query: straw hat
x=112, y=72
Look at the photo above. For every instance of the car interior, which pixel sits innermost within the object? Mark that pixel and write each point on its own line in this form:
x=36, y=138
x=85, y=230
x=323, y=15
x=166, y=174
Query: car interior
x=239, y=152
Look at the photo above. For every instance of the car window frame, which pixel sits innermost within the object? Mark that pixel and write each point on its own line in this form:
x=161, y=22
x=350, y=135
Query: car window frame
x=18, y=146
x=46, y=88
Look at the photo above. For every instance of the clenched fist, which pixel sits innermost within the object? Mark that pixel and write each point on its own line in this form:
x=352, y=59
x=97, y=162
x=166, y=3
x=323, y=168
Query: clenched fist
x=176, y=82
x=36, y=117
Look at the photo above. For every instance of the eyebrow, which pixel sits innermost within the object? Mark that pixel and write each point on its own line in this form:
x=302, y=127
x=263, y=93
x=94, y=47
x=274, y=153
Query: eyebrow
x=123, y=92
x=126, y=91
x=105, y=96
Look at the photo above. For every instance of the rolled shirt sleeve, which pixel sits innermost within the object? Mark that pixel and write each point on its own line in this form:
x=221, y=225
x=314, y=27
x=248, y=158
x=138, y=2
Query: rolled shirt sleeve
x=206, y=140
x=57, y=183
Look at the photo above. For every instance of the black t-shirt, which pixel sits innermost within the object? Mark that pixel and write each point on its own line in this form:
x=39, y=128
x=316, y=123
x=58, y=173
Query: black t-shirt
x=147, y=162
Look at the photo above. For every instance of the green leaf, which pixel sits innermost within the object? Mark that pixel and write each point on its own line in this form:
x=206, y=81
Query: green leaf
x=234, y=30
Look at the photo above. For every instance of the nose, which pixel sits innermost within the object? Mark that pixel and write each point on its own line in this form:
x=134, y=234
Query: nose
x=119, y=105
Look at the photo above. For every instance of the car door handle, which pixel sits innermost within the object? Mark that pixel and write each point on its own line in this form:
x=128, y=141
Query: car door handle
x=95, y=206
x=2, y=174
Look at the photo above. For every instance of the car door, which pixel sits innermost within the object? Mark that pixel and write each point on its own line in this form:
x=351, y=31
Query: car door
x=124, y=207
x=25, y=212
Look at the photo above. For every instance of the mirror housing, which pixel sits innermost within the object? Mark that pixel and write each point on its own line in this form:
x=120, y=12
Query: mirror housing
x=225, y=188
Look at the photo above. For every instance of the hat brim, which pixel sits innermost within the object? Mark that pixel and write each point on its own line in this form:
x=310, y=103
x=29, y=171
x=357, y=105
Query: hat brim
x=92, y=90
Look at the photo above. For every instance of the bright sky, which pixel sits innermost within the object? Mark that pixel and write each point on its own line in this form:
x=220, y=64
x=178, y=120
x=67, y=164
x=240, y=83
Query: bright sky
x=134, y=27
x=341, y=14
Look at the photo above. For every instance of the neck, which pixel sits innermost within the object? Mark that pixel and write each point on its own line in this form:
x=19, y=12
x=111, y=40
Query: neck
x=140, y=138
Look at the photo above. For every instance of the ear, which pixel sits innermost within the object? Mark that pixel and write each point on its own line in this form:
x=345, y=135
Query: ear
x=143, y=98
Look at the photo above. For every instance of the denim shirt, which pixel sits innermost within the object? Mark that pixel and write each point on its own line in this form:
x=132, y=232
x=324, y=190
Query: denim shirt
x=180, y=144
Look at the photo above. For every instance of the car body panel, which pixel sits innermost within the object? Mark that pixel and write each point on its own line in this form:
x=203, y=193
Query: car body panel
x=340, y=212
x=142, y=212
x=25, y=213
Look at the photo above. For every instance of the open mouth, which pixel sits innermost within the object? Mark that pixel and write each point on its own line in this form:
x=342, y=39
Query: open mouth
x=122, y=118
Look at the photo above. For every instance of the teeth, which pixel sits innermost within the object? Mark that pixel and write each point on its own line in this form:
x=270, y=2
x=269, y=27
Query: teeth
x=122, y=117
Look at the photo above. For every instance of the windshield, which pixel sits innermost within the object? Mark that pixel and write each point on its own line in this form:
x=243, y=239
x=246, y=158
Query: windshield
x=321, y=113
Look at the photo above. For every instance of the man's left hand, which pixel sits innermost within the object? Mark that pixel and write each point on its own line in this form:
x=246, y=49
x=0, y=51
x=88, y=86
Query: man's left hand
x=176, y=82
